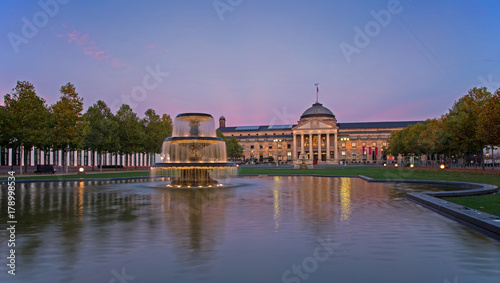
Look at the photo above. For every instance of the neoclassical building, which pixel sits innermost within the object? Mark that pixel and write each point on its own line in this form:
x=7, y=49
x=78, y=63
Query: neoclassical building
x=318, y=135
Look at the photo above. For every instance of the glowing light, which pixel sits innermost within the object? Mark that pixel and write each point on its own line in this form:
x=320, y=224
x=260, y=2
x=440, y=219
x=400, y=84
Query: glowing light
x=442, y=166
x=396, y=165
x=385, y=164
x=411, y=165
x=81, y=169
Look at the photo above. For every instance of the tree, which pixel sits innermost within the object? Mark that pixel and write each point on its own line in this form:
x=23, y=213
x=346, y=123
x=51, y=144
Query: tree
x=69, y=126
x=25, y=119
x=233, y=148
x=102, y=133
x=156, y=129
x=462, y=120
x=131, y=133
x=488, y=125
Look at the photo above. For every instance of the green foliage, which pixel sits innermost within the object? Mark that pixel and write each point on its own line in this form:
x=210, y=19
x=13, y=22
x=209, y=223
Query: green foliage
x=68, y=124
x=234, y=149
x=470, y=125
x=102, y=134
x=488, y=126
x=25, y=118
x=131, y=133
x=156, y=129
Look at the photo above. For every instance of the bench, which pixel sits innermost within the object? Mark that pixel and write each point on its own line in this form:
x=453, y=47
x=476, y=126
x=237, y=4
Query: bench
x=111, y=166
x=45, y=169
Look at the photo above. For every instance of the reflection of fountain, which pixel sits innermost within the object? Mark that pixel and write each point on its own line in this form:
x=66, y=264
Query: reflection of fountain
x=194, y=156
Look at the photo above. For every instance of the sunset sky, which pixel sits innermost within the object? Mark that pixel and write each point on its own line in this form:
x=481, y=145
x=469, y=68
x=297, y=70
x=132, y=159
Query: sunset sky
x=255, y=61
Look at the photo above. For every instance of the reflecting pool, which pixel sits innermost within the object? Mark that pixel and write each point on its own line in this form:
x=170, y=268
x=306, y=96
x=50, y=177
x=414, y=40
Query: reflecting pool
x=262, y=229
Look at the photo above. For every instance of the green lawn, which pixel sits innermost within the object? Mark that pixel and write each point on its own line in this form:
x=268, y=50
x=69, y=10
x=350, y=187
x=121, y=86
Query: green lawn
x=488, y=203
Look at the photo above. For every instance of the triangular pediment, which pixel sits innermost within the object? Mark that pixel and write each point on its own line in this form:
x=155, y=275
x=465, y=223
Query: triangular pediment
x=314, y=125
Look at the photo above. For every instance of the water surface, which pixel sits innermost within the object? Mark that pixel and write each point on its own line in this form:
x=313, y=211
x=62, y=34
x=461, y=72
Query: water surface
x=265, y=229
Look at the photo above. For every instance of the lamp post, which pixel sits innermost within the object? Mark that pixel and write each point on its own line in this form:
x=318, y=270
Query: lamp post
x=277, y=141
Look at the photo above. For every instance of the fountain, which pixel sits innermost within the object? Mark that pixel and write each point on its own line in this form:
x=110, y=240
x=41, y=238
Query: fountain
x=194, y=156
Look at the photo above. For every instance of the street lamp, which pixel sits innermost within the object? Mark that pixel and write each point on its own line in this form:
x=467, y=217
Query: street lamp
x=277, y=141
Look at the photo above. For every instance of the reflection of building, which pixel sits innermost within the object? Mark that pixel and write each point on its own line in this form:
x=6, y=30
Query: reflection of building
x=318, y=135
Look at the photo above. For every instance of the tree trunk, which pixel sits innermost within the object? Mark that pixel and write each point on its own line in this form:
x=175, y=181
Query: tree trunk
x=21, y=151
x=100, y=161
x=482, y=160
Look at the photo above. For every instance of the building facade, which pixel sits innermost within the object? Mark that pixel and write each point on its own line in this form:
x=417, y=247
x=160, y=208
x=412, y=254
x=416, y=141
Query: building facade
x=319, y=136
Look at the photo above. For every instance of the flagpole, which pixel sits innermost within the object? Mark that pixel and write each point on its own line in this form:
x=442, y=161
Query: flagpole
x=317, y=91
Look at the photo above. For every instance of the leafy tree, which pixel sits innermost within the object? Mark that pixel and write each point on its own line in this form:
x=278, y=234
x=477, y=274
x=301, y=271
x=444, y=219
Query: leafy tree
x=156, y=129
x=24, y=119
x=234, y=149
x=131, y=133
x=462, y=120
x=68, y=124
x=488, y=125
x=102, y=134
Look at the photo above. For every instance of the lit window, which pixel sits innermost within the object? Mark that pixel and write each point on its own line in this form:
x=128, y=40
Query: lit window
x=353, y=144
x=343, y=144
x=374, y=144
x=384, y=144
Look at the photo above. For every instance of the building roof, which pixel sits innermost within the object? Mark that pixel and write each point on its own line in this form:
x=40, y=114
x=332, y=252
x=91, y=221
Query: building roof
x=342, y=126
x=364, y=125
x=317, y=110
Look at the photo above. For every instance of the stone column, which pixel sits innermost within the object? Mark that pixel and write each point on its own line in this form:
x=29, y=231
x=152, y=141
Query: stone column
x=302, y=143
x=294, y=148
x=328, y=146
x=10, y=157
x=32, y=152
x=319, y=147
x=311, y=153
x=336, y=150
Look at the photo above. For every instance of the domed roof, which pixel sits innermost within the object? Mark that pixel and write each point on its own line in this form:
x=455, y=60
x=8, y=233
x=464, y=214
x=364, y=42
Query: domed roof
x=317, y=110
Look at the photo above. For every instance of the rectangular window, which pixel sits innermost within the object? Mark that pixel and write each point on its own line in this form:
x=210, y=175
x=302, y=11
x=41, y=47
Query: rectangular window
x=374, y=144
x=289, y=156
x=279, y=146
x=353, y=156
x=261, y=147
x=270, y=146
x=343, y=155
x=343, y=144
x=288, y=146
x=353, y=144
x=251, y=147
x=384, y=144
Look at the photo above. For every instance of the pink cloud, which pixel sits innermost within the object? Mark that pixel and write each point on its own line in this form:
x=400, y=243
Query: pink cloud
x=89, y=48
x=155, y=49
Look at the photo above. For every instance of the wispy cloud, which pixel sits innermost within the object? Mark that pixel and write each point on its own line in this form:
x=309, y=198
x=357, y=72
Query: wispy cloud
x=90, y=48
x=155, y=49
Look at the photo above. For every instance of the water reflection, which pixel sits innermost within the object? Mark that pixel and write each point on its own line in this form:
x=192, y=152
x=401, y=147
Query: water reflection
x=80, y=231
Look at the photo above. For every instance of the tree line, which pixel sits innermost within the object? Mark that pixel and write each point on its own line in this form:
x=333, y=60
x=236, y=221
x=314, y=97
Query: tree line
x=471, y=125
x=26, y=121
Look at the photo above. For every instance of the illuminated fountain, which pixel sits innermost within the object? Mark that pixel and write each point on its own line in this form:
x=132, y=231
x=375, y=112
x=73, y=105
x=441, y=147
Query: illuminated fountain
x=194, y=156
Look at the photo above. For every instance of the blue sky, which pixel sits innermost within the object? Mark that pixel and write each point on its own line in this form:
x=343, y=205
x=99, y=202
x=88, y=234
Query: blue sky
x=255, y=62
